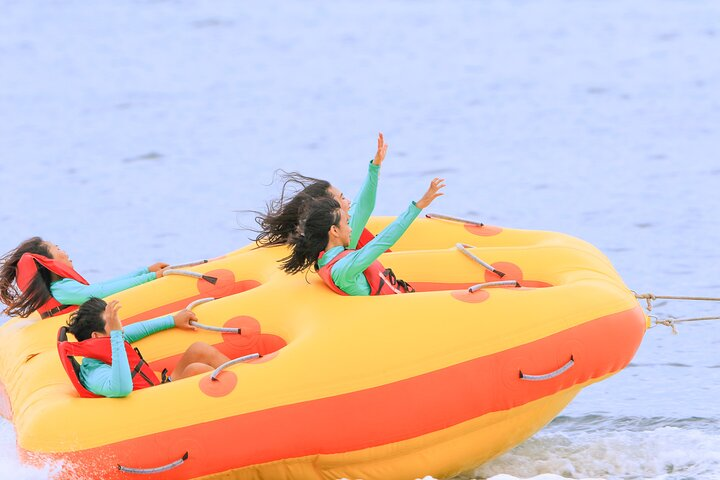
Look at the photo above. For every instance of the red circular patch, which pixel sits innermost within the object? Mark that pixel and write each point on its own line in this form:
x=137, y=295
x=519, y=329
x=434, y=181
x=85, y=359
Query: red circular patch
x=222, y=287
x=511, y=271
x=221, y=386
x=484, y=231
x=249, y=330
x=467, y=297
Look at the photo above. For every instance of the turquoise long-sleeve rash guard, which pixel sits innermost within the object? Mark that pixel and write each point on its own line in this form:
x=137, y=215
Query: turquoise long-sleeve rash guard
x=71, y=292
x=363, y=205
x=347, y=273
x=116, y=380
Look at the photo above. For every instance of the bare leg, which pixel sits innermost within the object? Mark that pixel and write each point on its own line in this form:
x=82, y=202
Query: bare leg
x=190, y=370
x=198, y=353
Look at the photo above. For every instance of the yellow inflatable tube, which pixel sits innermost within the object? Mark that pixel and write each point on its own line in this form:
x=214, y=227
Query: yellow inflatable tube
x=403, y=386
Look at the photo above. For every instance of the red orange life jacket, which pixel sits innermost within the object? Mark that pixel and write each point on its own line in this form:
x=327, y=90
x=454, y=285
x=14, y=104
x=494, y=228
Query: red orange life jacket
x=27, y=269
x=99, y=348
x=382, y=280
x=365, y=237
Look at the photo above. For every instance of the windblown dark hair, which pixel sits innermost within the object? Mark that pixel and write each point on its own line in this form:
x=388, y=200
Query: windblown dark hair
x=87, y=319
x=37, y=293
x=311, y=237
x=281, y=216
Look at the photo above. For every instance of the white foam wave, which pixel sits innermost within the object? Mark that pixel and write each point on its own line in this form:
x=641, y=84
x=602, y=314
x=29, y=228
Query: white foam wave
x=10, y=465
x=664, y=453
x=561, y=451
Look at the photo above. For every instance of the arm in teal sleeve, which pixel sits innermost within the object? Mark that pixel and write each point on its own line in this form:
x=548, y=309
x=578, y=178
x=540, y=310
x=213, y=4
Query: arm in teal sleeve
x=109, y=380
x=140, y=330
x=345, y=271
x=363, y=205
x=71, y=292
x=135, y=273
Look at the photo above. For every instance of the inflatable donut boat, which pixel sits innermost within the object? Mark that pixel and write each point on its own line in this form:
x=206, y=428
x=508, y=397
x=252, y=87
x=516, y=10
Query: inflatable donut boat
x=505, y=328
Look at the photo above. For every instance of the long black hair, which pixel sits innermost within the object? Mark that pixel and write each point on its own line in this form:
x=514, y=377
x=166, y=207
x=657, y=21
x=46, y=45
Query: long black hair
x=281, y=216
x=312, y=234
x=87, y=319
x=37, y=293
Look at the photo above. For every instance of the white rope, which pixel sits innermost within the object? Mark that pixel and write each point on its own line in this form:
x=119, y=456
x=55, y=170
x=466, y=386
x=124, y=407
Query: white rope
x=650, y=297
x=671, y=322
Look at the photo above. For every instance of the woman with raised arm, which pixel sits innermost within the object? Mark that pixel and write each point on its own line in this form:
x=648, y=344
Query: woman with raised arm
x=280, y=219
x=39, y=275
x=323, y=240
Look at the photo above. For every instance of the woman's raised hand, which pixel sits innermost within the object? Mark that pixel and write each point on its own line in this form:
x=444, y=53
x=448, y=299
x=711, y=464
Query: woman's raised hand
x=382, y=149
x=432, y=193
x=112, y=322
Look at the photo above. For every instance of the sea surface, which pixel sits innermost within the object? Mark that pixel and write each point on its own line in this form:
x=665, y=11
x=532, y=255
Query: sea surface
x=136, y=131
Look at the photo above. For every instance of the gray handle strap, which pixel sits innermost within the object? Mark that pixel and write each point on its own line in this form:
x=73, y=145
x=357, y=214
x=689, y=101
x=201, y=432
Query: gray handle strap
x=199, y=301
x=548, y=376
x=463, y=248
x=188, y=273
x=502, y=283
x=148, y=471
x=245, y=358
x=453, y=219
x=211, y=328
x=186, y=265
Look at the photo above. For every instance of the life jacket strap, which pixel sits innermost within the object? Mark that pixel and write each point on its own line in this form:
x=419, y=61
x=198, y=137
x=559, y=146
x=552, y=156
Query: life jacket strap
x=54, y=311
x=137, y=370
x=399, y=286
x=406, y=286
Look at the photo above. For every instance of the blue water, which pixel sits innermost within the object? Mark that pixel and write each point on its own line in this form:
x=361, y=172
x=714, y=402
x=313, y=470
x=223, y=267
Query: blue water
x=132, y=132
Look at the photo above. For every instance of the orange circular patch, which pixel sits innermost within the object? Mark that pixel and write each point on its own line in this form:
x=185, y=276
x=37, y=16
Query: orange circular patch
x=221, y=288
x=511, y=271
x=467, y=297
x=221, y=386
x=249, y=330
x=484, y=231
